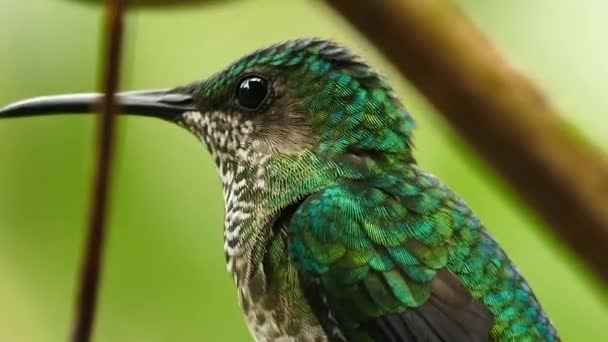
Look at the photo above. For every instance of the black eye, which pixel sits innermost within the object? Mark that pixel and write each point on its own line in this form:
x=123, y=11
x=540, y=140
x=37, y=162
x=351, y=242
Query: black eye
x=251, y=92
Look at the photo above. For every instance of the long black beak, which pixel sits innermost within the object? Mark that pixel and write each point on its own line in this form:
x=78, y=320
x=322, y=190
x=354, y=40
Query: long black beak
x=164, y=104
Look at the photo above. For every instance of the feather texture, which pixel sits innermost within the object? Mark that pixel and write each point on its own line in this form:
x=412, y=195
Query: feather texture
x=332, y=231
x=406, y=260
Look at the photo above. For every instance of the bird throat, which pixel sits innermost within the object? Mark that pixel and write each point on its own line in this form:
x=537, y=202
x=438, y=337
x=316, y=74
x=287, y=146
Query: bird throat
x=243, y=173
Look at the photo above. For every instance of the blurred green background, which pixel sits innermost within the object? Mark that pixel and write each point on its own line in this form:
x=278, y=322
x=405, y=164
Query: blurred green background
x=164, y=276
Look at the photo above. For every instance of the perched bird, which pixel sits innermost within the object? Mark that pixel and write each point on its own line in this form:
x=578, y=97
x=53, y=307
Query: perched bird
x=332, y=232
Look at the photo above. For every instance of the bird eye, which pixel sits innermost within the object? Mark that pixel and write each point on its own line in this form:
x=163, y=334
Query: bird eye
x=251, y=92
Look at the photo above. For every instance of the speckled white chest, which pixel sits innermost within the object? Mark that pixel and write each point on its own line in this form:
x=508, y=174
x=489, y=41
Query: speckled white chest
x=242, y=172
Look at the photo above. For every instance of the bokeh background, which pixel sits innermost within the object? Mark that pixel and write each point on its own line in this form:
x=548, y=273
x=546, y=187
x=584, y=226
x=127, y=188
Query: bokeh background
x=164, y=276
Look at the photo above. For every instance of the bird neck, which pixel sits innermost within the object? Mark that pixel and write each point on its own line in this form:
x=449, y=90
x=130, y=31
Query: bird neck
x=260, y=195
x=258, y=192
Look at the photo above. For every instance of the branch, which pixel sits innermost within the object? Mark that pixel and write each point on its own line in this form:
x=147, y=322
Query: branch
x=498, y=111
x=91, y=268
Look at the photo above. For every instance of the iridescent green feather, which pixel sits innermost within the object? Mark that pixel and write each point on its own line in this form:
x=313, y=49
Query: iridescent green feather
x=372, y=228
x=404, y=241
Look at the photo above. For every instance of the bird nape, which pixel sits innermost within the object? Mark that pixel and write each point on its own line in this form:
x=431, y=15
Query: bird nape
x=332, y=231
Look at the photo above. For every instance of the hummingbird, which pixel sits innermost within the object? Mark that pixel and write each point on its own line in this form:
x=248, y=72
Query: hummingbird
x=332, y=232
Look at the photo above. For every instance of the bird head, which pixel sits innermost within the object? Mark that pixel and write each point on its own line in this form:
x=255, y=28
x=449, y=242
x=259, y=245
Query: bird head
x=281, y=123
x=306, y=94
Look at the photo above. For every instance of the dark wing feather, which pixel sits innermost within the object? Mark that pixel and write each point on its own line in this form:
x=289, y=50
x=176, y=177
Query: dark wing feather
x=450, y=314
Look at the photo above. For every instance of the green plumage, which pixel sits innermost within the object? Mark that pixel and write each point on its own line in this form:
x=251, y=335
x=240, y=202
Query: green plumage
x=373, y=228
x=332, y=231
x=376, y=251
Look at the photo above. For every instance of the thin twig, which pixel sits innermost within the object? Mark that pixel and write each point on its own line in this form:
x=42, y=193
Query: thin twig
x=498, y=111
x=91, y=267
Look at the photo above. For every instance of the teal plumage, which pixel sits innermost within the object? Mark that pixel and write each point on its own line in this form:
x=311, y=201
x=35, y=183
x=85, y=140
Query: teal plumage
x=368, y=232
x=376, y=251
x=332, y=231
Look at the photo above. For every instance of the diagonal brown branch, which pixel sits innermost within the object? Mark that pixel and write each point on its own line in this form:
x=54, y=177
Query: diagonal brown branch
x=91, y=267
x=498, y=110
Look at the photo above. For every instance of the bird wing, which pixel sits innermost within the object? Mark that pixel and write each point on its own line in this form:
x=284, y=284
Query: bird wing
x=372, y=259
